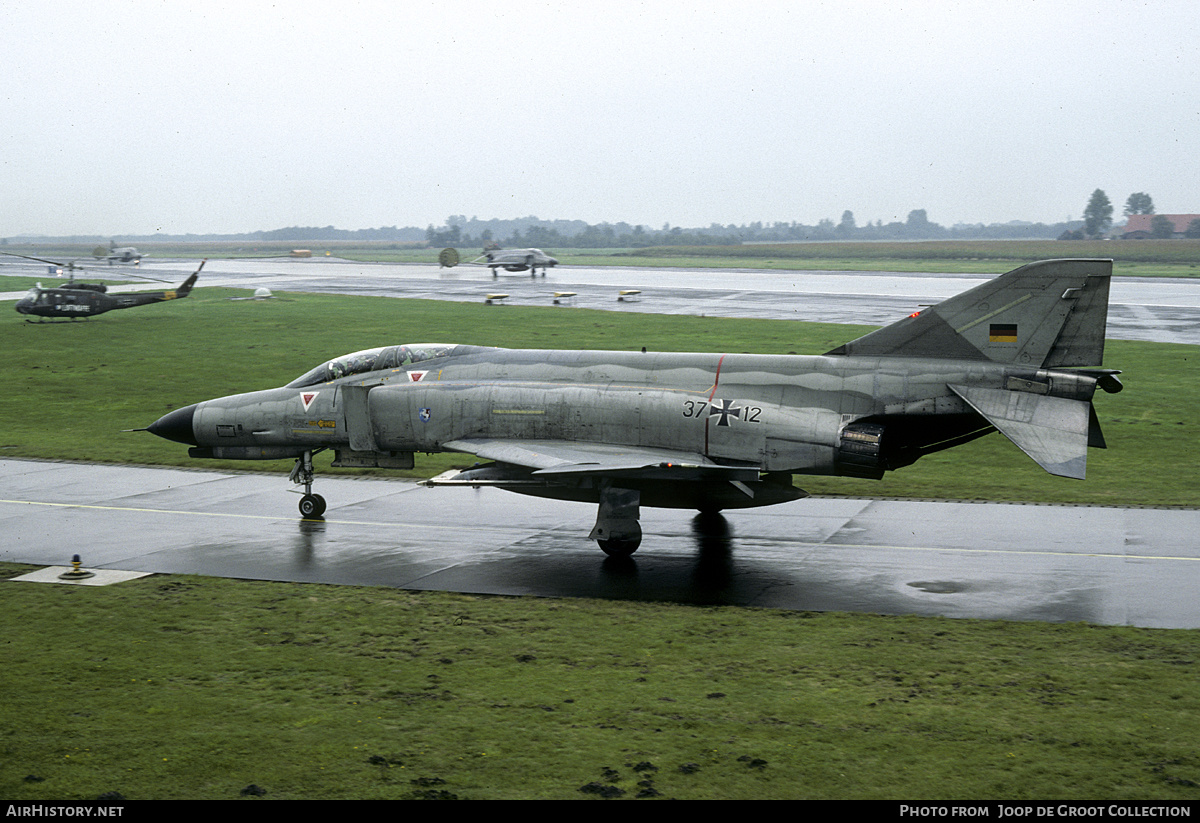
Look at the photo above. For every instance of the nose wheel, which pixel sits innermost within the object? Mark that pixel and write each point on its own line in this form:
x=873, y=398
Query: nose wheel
x=311, y=505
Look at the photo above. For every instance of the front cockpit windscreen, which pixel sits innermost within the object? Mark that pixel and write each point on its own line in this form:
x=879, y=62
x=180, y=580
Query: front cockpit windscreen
x=360, y=362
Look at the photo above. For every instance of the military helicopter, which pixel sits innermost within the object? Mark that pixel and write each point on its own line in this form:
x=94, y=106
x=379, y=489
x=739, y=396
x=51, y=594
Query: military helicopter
x=75, y=299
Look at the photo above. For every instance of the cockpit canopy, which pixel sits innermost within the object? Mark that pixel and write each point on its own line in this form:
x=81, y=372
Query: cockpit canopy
x=385, y=357
x=37, y=296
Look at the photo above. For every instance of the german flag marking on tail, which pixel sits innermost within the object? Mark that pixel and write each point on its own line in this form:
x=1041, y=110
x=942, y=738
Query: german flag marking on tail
x=1002, y=333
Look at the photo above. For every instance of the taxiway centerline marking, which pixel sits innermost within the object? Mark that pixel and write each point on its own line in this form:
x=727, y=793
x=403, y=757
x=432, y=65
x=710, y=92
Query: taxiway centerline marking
x=251, y=516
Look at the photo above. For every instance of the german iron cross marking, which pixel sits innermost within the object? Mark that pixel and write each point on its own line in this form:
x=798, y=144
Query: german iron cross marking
x=725, y=409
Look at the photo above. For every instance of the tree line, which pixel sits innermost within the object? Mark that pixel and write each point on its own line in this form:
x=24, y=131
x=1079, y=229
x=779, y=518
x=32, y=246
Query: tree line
x=1097, y=218
x=458, y=230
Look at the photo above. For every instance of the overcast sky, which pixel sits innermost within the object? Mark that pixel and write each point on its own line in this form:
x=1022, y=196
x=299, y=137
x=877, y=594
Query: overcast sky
x=178, y=116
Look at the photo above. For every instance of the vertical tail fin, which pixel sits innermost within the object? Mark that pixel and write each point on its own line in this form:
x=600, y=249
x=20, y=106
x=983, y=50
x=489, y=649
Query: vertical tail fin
x=1047, y=314
x=186, y=287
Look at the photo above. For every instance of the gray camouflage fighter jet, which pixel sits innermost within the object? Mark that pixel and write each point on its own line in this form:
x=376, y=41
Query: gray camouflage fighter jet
x=1020, y=354
x=508, y=259
x=124, y=254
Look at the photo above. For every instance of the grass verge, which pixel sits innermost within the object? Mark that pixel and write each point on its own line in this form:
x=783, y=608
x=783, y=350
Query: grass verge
x=178, y=687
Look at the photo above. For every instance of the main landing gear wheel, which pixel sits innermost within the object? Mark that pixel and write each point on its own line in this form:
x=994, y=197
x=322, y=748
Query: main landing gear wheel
x=619, y=548
x=312, y=505
x=617, y=530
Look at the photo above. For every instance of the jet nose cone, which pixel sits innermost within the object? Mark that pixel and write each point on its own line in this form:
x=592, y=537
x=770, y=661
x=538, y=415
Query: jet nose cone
x=176, y=425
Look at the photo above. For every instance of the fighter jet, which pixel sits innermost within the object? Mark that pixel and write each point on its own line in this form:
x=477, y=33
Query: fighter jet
x=508, y=259
x=125, y=254
x=76, y=299
x=1020, y=354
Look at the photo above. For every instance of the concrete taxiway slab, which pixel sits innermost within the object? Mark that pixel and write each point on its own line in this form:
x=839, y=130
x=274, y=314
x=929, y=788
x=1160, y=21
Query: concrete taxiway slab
x=1138, y=567
x=61, y=575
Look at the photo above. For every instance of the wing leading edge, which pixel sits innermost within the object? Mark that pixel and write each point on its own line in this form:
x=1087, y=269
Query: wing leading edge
x=564, y=460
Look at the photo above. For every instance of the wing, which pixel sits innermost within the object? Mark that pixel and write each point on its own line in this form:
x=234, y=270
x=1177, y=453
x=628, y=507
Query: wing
x=566, y=460
x=581, y=471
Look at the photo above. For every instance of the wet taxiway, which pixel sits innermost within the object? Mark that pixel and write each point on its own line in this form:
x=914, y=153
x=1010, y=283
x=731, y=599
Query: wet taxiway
x=1141, y=308
x=1138, y=567
x=1160, y=309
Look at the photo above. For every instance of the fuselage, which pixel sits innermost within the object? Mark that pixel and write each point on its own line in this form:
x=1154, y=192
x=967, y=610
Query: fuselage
x=778, y=413
x=81, y=302
x=124, y=255
x=74, y=302
x=519, y=259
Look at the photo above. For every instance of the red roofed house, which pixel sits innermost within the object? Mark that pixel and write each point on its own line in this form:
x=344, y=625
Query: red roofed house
x=1138, y=227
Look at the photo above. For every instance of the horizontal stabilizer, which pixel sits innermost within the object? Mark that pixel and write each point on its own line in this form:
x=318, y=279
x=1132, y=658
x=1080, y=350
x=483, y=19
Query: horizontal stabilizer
x=1054, y=431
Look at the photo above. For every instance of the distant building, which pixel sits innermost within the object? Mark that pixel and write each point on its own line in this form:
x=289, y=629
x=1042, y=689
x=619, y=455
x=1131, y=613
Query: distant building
x=1138, y=227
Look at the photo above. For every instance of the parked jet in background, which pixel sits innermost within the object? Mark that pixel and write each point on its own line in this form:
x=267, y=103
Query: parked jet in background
x=125, y=254
x=1020, y=354
x=508, y=259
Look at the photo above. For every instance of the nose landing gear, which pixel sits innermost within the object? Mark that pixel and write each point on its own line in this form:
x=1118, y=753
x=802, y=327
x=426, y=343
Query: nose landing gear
x=312, y=506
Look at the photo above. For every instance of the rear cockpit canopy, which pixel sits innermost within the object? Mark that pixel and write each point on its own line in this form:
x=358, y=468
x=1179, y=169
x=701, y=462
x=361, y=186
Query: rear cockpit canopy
x=368, y=360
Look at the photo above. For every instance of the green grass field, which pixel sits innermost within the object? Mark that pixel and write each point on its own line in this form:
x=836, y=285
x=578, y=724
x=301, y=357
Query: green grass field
x=194, y=688
x=178, y=687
